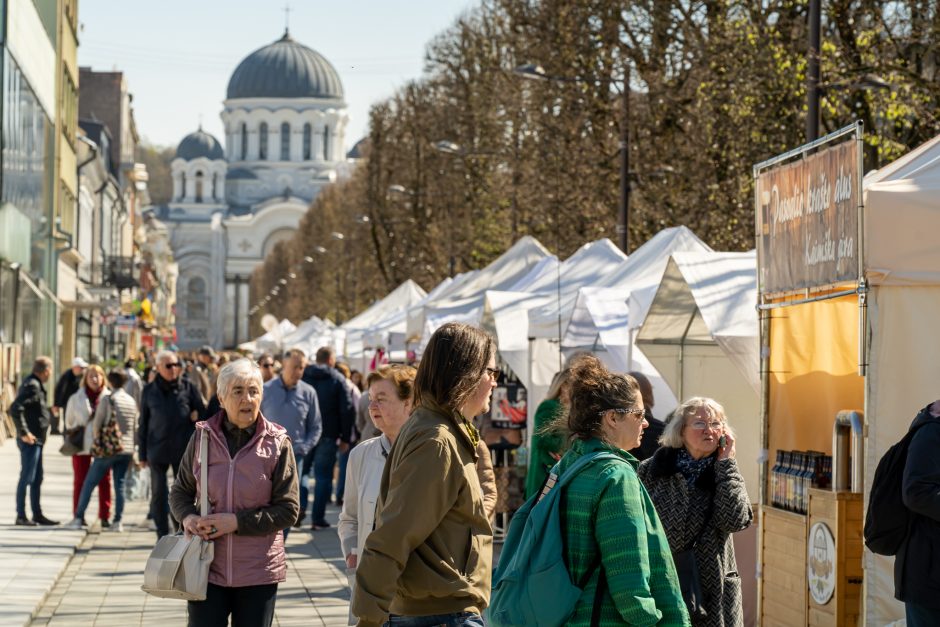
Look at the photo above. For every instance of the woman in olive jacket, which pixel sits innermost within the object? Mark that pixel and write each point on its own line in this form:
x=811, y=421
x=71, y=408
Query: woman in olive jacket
x=700, y=495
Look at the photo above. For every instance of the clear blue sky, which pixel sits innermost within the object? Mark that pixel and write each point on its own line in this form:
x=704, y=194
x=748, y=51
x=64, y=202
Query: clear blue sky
x=178, y=56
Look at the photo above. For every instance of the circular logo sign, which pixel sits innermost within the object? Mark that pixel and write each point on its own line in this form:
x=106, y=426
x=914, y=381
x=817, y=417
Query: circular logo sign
x=821, y=563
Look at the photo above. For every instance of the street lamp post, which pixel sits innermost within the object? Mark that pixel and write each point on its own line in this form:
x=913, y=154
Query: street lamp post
x=537, y=72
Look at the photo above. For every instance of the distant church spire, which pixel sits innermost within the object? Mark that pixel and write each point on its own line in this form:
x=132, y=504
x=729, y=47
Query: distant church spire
x=287, y=21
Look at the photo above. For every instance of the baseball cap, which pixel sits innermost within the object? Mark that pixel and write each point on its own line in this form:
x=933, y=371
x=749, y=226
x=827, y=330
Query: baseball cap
x=81, y=363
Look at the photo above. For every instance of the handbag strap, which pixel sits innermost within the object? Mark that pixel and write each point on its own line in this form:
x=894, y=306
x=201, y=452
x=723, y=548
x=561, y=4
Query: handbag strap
x=203, y=473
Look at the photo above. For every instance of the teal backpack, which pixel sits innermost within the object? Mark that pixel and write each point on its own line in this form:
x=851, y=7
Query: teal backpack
x=532, y=585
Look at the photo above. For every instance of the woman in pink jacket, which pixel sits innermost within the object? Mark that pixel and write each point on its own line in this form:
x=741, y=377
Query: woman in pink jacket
x=253, y=495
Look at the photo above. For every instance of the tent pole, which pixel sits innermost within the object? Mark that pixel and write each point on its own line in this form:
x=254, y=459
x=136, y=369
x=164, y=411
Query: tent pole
x=685, y=335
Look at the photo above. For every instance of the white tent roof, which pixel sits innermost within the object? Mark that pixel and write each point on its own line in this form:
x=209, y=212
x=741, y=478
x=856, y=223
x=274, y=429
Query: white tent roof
x=530, y=308
x=464, y=302
x=901, y=214
x=601, y=312
x=708, y=297
x=272, y=340
x=398, y=300
x=391, y=330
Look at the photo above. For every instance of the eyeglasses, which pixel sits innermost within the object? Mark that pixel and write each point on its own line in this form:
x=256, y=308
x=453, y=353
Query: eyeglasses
x=636, y=411
x=700, y=425
x=174, y=364
x=266, y=365
x=494, y=372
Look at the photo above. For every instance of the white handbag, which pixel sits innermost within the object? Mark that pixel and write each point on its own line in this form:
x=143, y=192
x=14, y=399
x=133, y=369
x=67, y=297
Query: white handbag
x=178, y=567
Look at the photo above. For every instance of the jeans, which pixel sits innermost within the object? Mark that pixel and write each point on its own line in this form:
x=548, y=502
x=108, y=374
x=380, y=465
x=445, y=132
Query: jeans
x=324, y=458
x=304, y=476
x=100, y=466
x=80, y=466
x=249, y=606
x=920, y=616
x=30, y=475
x=343, y=459
x=160, y=496
x=458, y=619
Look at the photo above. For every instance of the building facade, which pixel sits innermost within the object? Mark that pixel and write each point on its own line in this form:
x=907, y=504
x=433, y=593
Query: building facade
x=285, y=123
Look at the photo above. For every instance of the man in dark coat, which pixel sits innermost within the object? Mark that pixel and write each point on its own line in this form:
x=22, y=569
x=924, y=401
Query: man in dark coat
x=915, y=566
x=169, y=408
x=650, y=441
x=339, y=415
x=31, y=417
x=67, y=385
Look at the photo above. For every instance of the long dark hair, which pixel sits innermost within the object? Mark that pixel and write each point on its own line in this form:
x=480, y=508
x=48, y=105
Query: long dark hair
x=452, y=364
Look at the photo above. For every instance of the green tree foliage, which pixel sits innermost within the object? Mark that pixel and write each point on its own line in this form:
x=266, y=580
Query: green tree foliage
x=157, y=159
x=714, y=87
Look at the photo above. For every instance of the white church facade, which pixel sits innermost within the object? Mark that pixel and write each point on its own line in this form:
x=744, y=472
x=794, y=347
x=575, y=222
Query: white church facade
x=285, y=122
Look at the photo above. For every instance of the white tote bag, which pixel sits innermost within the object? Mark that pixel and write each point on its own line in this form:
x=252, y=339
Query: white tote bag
x=178, y=567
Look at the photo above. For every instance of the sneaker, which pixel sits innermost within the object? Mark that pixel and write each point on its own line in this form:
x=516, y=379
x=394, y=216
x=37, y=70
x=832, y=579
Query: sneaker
x=75, y=523
x=320, y=524
x=22, y=521
x=42, y=520
x=117, y=527
x=105, y=523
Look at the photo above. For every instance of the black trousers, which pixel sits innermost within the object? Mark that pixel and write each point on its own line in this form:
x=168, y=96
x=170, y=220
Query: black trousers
x=160, y=497
x=250, y=606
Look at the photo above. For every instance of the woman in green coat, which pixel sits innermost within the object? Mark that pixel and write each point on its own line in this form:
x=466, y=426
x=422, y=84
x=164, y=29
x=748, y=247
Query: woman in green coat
x=548, y=442
x=613, y=535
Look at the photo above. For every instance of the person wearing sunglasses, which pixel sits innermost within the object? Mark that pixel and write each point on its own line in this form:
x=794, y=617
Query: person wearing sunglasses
x=700, y=495
x=266, y=363
x=169, y=407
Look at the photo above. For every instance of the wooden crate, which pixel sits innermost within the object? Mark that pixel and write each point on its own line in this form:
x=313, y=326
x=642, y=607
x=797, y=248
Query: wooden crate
x=784, y=595
x=842, y=513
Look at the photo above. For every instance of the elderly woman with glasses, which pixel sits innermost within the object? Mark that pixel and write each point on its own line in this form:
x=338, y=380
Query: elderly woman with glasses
x=252, y=489
x=700, y=496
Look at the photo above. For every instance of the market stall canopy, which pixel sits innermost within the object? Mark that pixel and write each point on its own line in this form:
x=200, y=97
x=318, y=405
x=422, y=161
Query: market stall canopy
x=391, y=331
x=708, y=298
x=272, y=341
x=542, y=301
x=464, y=303
x=901, y=216
x=401, y=298
x=310, y=335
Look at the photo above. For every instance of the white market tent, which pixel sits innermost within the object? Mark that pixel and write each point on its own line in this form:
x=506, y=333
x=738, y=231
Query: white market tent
x=601, y=317
x=310, y=335
x=701, y=332
x=464, y=301
x=902, y=262
x=272, y=341
x=400, y=299
x=527, y=315
x=391, y=331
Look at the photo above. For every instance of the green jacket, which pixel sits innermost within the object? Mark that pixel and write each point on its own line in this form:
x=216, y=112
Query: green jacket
x=432, y=548
x=607, y=508
x=543, y=445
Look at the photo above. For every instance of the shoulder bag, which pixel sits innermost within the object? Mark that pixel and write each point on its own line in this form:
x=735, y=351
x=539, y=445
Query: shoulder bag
x=690, y=579
x=178, y=566
x=107, y=441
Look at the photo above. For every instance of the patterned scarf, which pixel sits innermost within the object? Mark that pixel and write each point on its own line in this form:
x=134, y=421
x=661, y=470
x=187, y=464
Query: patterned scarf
x=692, y=468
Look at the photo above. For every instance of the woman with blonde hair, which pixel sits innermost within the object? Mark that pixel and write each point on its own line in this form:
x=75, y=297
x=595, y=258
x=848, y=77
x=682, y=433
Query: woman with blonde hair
x=80, y=413
x=548, y=440
x=700, y=495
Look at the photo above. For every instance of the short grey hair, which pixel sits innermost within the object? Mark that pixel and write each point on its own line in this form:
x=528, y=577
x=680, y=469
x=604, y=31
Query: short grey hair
x=672, y=434
x=163, y=356
x=239, y=370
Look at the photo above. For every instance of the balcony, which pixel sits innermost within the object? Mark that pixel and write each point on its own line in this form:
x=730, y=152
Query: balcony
x=117, y=272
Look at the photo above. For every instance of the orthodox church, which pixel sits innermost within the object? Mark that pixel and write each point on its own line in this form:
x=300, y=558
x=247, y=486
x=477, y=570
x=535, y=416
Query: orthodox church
x=285, y=120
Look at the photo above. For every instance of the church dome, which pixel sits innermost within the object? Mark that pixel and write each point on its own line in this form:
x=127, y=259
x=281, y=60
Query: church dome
x=285, y=69
x=200, y=144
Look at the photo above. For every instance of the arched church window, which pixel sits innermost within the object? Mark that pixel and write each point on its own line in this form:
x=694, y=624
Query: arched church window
x=215, y=188
x=199, y=184
x=244, y=141
x=182, y=185
x=196, y=298
x=326, y=143
x=308, y=140
x=285, y=141
x=263, y=142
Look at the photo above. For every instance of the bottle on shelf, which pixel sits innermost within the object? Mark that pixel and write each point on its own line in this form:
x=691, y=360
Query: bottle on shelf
x=775, y=480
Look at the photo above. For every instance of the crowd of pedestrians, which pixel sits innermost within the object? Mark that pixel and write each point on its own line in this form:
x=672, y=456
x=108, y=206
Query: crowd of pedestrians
x=647, y=513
